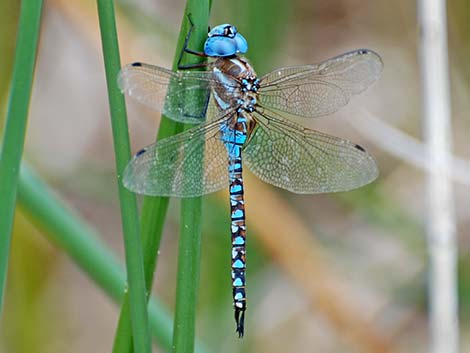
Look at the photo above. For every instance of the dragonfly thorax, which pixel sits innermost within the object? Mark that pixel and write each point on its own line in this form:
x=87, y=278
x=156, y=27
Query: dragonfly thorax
x=238, y=84
x=250, y=84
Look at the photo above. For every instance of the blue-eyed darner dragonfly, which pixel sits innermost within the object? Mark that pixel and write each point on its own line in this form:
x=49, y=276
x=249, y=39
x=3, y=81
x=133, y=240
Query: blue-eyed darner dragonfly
x=243, y=118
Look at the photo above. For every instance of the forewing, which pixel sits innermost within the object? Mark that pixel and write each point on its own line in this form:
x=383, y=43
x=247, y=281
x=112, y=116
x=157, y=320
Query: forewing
x=182, y=96
x=306, y=161
x=316, y=90
x=192, y=163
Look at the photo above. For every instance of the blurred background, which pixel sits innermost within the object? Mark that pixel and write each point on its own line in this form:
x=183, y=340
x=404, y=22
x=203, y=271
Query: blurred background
x=342, y=272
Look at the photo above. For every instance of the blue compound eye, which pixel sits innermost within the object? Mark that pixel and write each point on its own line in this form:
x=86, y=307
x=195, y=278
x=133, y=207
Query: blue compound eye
x=220, y=46
x=242, y=45
x=224, y=40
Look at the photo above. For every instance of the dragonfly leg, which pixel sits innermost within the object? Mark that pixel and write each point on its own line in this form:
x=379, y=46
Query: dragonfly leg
x=190, y=51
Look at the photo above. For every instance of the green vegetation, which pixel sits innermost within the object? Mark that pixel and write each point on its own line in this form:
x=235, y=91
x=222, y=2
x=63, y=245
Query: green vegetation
x=15, y=125
x=129, y=213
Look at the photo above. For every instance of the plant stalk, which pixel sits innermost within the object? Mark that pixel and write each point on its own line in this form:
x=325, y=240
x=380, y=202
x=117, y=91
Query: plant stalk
x=441, y=228
x=129, y=214
x=15, y=126
x=154, y=209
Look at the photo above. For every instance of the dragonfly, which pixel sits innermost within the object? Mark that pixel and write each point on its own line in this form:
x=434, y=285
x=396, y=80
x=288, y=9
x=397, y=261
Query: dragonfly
x=242, y=120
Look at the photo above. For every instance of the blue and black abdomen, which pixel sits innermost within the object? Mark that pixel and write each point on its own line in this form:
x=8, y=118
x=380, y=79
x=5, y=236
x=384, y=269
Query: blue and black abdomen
x=234, y=138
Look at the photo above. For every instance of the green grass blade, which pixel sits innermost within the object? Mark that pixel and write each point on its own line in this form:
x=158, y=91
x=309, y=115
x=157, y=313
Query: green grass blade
x=71, y=234
x=189, y=249
x=154, y=209
x=189, y=255
x=152, y=220
x=129, y=215
x=15, y=126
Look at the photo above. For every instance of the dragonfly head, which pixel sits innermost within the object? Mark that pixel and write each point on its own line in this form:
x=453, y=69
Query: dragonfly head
x=224, y=40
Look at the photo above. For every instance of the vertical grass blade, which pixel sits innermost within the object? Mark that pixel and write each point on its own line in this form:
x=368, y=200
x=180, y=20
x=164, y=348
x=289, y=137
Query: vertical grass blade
x=442, y=242
x=154, y=209
x=189, y=255
x=129, y=214
x=15, y=125
x=152, y=220
x=189, y=248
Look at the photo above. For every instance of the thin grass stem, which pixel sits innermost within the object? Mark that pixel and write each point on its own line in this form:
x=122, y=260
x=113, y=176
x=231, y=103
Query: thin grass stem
x=15, y=125
x=189, y=249
x=154, y=209
x=129, y=214
x=441, y=228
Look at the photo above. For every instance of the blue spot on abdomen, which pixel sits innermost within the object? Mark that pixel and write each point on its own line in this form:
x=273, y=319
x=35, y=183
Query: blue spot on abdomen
x=238, y=264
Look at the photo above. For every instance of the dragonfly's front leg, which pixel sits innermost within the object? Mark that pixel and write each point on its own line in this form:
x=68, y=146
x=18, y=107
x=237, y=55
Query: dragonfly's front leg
x=190, y=51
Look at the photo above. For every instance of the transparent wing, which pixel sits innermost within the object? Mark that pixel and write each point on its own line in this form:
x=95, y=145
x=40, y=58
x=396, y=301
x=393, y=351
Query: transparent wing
x=306, y=161
x=182, y=96
x=316, y=90
x=192, y=163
